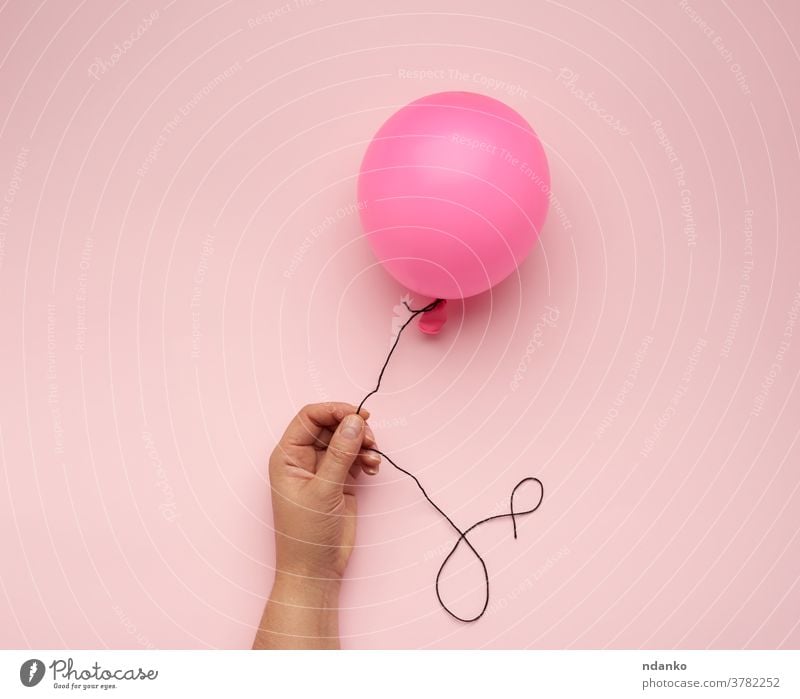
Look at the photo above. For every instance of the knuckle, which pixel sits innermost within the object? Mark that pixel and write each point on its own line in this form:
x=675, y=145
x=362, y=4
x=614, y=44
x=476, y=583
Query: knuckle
x=340, y=453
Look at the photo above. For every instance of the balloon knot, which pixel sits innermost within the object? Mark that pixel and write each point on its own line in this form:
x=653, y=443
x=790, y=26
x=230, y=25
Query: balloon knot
x=431, y=322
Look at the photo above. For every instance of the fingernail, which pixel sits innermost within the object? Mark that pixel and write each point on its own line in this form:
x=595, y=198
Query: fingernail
x=370, y=470
x=351, y=427
x=373, y=458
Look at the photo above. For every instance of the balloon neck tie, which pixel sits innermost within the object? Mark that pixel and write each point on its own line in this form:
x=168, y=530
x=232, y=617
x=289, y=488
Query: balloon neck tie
x=433, y=320
x=432, y=307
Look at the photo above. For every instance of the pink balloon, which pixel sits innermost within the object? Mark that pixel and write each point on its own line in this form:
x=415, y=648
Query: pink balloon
x=453, y=191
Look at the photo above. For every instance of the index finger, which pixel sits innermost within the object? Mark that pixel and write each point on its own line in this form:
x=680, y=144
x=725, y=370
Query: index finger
x=308, y=424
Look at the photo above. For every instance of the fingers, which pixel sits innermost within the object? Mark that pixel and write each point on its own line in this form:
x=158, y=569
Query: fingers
x=309, y=423
x=324, y=437
x=343, y=449
x=367, y=461
x=370, y=462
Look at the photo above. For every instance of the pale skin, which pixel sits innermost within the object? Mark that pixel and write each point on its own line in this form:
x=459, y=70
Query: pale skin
x=312, y=473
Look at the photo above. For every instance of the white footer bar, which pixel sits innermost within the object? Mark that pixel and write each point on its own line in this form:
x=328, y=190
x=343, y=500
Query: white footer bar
x=415, y=674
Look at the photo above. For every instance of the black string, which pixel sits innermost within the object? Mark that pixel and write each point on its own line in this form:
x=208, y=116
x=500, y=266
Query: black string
x=414, y=314
x=462, y=535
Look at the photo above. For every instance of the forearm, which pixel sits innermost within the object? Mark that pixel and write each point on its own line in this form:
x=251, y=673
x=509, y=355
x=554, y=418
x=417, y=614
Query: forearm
x=301, y=612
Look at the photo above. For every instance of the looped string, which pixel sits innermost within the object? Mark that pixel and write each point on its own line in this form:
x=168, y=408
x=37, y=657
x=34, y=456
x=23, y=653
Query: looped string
x=462, y=535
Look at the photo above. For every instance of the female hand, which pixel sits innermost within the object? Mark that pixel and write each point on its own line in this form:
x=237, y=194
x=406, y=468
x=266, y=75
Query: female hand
x=312, y=472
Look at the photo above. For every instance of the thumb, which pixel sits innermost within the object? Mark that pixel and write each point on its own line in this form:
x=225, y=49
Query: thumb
x=342, y=451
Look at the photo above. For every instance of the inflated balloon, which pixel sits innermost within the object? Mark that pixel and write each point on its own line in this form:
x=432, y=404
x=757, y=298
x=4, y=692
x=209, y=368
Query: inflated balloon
x=454, y=191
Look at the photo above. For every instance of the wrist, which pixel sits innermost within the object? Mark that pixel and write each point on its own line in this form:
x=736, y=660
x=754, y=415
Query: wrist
x=302, y=612
x=306, y=589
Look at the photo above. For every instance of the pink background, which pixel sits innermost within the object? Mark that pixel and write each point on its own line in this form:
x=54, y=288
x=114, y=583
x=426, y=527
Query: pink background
x=164, y=315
